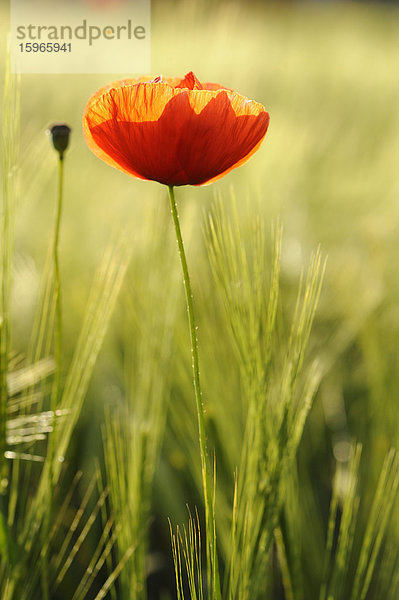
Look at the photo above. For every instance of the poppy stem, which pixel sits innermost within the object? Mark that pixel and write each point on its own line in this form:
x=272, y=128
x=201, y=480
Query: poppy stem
x=209, y=507
x=57, y=277
x=57, y=379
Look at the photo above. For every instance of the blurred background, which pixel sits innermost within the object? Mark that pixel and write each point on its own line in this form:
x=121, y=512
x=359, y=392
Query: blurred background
x=328, y=73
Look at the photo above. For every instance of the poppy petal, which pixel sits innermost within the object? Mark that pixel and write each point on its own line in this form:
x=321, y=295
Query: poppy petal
x=190, y=82
x=173, y=131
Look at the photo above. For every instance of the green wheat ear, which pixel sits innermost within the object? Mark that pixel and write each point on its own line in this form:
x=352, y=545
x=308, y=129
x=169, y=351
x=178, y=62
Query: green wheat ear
x=276, y=398
x=344, y=508
x=32, y=559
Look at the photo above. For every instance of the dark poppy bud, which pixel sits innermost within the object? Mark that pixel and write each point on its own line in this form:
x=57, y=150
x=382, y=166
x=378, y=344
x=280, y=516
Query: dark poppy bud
x=60, y=136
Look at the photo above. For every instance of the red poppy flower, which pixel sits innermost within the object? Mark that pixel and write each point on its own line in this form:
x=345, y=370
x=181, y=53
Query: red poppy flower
x=174, y=131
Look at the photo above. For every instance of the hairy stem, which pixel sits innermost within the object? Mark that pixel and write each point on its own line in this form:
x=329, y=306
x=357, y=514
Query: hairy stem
x=57, y=380
x=210, y=531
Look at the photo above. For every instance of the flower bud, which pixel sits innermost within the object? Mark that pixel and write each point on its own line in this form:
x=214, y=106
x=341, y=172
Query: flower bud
x=60, y=136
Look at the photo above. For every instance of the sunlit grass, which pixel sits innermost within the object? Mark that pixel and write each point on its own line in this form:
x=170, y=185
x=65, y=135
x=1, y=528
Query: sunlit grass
x=301, y=510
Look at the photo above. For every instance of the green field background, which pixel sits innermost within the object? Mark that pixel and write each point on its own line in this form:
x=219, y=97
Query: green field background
x=328, y=171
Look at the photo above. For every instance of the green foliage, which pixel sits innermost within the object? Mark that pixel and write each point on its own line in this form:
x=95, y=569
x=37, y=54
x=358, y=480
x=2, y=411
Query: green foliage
x=134, y=428
x=34, y=556
x=275, y=401
x=300, y=402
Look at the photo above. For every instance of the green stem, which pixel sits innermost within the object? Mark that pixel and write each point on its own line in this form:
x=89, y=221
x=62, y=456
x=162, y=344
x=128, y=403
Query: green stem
x=57, y=280
x=57, y=379
x=211, y=536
